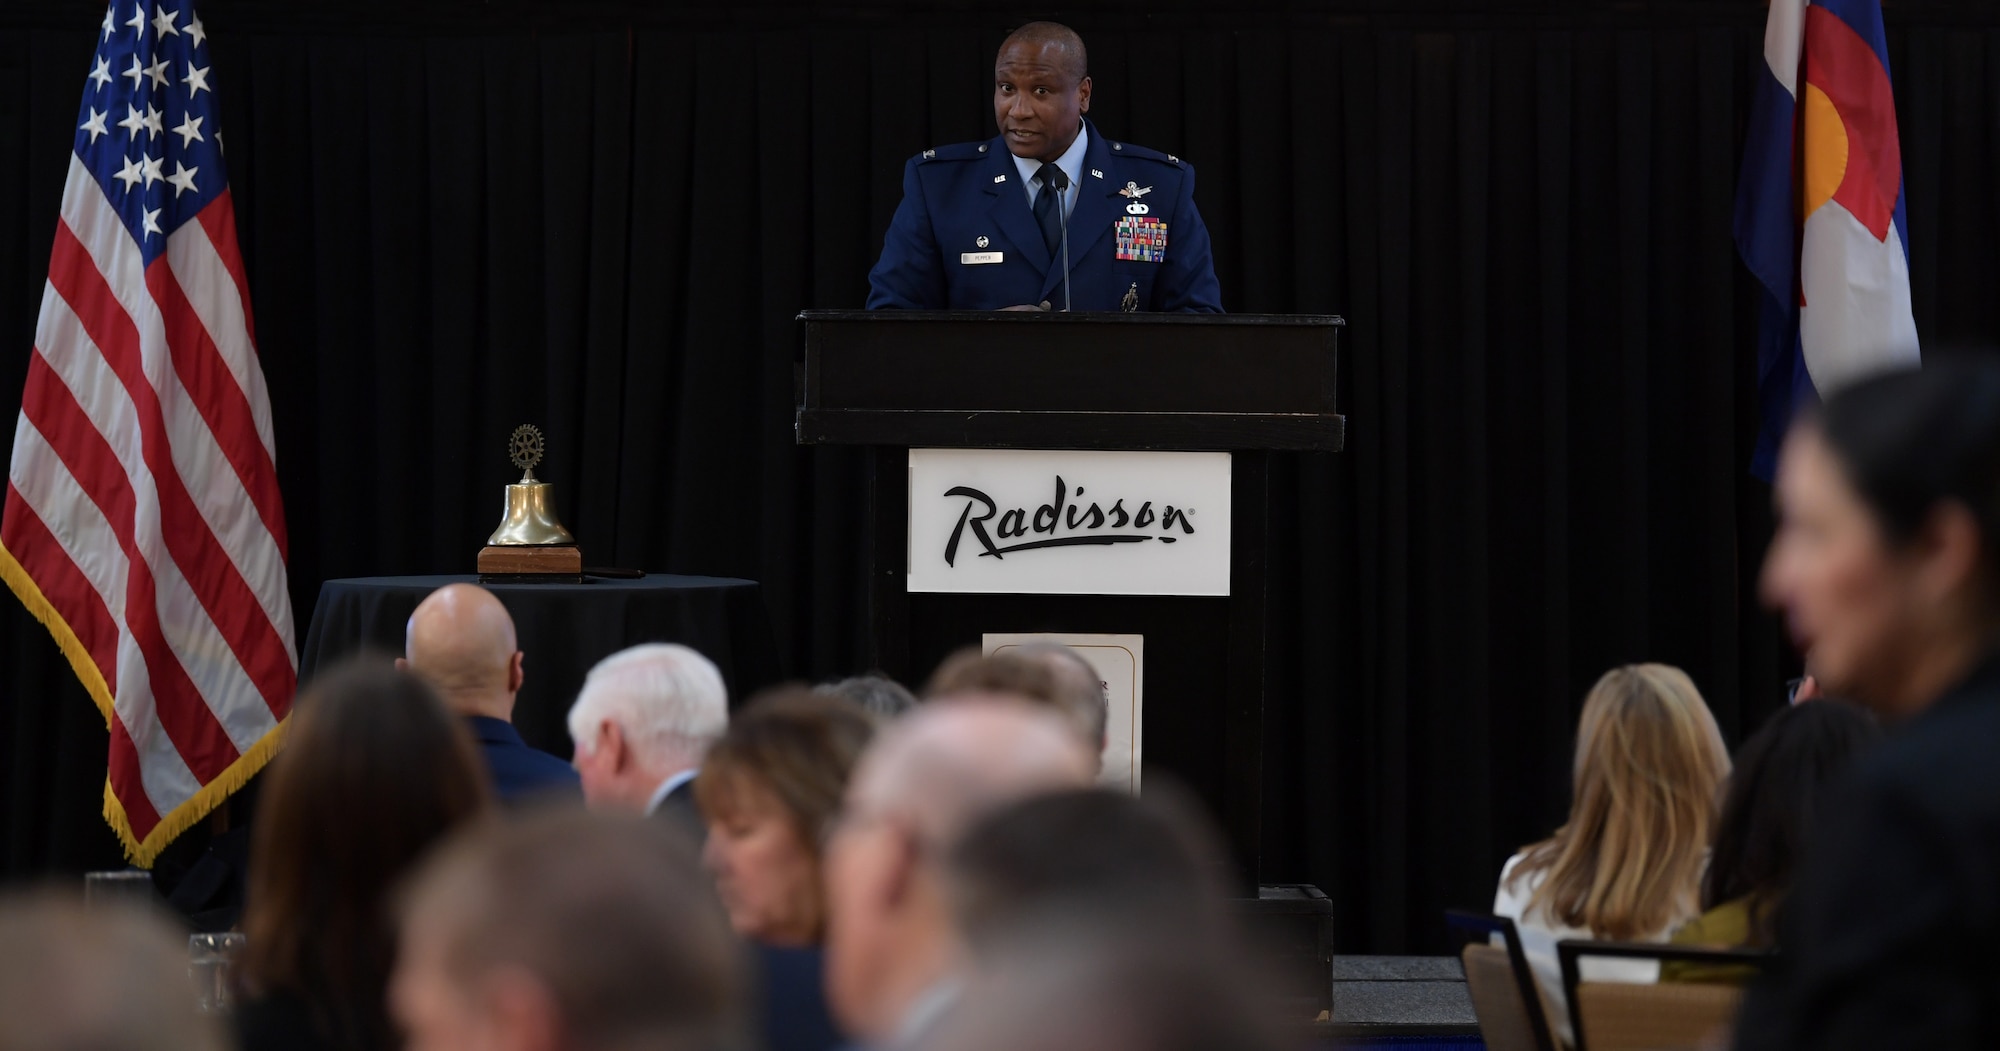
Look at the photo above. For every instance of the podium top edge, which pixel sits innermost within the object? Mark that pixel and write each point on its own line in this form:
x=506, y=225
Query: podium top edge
x=1028, y=317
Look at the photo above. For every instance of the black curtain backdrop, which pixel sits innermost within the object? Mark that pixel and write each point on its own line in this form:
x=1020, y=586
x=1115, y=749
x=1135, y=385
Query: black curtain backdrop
x=602, y=218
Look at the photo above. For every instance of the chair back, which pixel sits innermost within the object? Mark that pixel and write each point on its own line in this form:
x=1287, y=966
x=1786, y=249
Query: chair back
x=1505, y=997
x=1659, y=1016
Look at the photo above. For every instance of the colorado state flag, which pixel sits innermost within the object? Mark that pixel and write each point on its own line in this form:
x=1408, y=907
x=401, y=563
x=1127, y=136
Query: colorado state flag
x=1819, y=209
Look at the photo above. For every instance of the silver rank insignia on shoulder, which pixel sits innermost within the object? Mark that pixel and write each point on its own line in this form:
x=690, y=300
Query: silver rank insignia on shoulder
x=928, y=154
x=982, y=147
x=1173, y=158
x=1134, y=191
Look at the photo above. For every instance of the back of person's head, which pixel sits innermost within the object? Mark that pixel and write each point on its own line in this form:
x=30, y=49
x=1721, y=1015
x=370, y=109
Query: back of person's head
x=566, y=931
x=374, y=772
x=1098, y=857
x=770, y=790
x=461, y=641
x=1887, y=553
x=109, y=979
x=1078, y=990
x=1649, y=767
x=1774, y=793
x=666, y=699
x=877, y=694
x=1045, y=674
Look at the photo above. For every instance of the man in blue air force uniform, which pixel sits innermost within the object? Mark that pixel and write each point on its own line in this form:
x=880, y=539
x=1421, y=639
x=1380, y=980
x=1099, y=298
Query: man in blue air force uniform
x=979, y=227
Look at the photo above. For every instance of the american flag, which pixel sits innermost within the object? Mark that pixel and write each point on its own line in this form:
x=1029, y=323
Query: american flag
x=143, y=524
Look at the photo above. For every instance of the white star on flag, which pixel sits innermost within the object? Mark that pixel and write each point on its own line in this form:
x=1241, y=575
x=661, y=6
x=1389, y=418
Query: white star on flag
x=134, y=121
x=129, y=175
x=155, y=127
x=163, y=23
x=195, y=32
x=152, y=224
x=158, y=71
x=102, y=74
x=196, y=80
x=138, y=19
x=137, y=73
x=107, y=23
x=189, y=130
x=95, y=125
x=150, y=168
x=182, y=178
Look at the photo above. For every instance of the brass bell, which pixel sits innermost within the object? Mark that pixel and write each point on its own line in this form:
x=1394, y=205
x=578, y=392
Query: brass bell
x=529, y=516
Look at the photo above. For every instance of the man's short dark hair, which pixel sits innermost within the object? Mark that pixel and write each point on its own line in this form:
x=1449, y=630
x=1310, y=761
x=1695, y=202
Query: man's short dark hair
x=612, y=914
x=1095, y=855
x=1063, y=37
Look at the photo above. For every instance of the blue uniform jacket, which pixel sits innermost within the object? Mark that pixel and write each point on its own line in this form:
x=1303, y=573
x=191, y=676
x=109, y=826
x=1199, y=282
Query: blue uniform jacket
x=520, y=774
x=965, y=236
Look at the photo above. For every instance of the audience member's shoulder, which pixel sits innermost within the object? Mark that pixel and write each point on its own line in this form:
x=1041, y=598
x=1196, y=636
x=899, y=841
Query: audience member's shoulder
x=1940, y=766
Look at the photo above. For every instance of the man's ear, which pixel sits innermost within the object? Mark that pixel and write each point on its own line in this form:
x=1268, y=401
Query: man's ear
x=610, y=736
x=1083, y=96
x=402, y=665
x=522, y=1010
x=515, y=675
x=1948, y=547
x=903, y=873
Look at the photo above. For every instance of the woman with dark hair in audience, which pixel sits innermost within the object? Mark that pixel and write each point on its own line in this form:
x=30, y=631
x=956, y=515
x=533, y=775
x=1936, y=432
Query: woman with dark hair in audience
x=1627, y=865
x=1886, y=563
x=1773, y=795
x=770, y=790
x=374, y=772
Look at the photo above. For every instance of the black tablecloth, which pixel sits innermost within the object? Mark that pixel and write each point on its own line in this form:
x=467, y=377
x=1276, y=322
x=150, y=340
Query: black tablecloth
x=564, y=629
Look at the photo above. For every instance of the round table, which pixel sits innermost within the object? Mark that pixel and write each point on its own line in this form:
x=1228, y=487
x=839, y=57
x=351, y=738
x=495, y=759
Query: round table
x=563, y=630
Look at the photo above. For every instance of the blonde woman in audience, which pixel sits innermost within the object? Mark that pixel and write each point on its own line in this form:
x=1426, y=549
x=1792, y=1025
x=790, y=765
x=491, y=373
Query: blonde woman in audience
x=1628, y=864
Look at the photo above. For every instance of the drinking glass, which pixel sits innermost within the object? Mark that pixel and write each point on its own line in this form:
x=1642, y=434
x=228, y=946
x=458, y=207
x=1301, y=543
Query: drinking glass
x=211, y=967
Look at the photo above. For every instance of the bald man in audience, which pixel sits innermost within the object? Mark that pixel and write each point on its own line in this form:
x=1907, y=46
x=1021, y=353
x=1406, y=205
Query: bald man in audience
x=461, y=641
x=893, y=954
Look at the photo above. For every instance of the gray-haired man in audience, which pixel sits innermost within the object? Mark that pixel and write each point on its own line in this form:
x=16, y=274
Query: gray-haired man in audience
x=642, y=723
x=892, y=950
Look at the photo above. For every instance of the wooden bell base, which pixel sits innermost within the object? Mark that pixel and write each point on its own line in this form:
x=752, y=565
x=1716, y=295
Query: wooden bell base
x=561, y=564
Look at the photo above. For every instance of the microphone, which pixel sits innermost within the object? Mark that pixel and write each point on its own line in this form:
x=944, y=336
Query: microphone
x=1060, y=180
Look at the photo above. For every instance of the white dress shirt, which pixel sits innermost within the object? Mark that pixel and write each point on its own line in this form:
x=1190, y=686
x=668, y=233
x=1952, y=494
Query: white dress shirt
x=667, y=787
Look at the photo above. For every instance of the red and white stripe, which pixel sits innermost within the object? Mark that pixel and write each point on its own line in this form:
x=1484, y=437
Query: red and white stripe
x=143, y=506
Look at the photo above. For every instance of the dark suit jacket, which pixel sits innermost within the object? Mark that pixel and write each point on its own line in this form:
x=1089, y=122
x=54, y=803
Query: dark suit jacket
x=965, y=236
x=795, y=1013
x=1891, y=937
x=519, y=772
x=678, y=811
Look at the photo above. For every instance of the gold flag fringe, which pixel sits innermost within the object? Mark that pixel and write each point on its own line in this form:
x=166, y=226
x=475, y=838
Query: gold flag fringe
x=181, y=818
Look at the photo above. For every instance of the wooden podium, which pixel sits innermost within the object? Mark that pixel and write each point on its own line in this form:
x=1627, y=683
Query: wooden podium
x=1244, y=385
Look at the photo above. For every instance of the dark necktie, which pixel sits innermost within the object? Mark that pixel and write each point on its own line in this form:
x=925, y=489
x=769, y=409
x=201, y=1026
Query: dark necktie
x=1048, y=205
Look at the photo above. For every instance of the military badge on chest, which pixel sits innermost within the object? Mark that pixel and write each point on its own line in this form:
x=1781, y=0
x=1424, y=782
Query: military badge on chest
x=1141, y=237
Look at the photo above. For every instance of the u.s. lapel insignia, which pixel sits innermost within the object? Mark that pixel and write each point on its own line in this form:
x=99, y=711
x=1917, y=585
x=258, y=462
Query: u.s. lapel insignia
x=1096, y=174
x=1135, y=191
